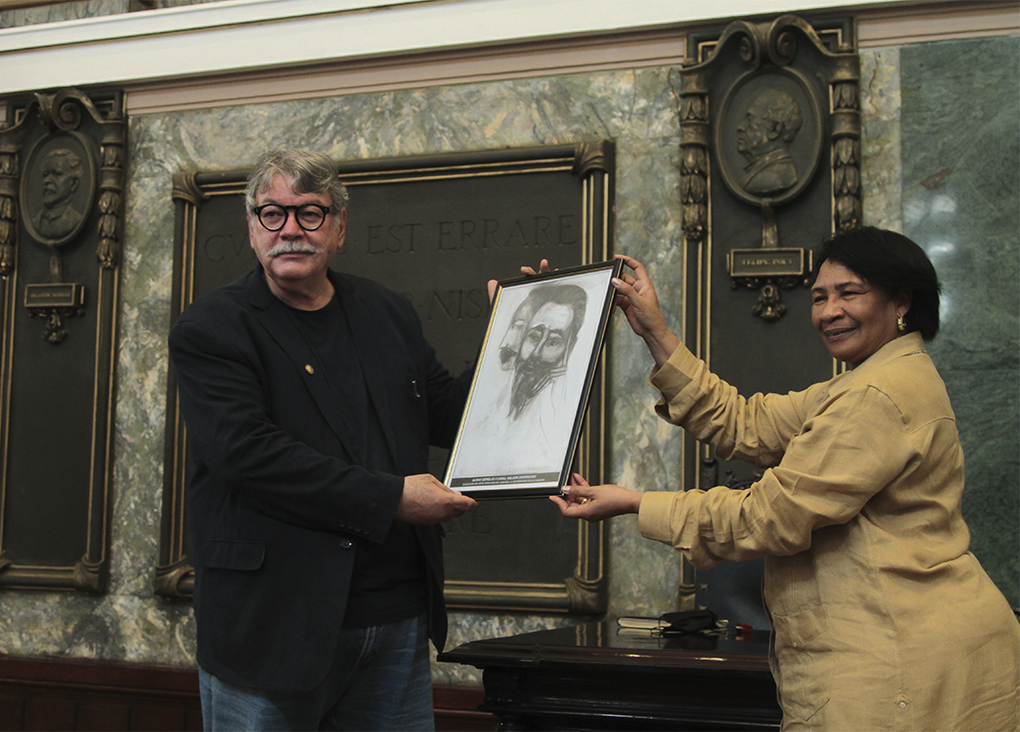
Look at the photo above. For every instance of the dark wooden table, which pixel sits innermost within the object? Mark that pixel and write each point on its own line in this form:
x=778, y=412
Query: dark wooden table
x=592, y=677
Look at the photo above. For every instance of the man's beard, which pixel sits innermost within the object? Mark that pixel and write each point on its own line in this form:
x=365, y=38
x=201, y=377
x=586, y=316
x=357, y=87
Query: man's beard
x=530, y=377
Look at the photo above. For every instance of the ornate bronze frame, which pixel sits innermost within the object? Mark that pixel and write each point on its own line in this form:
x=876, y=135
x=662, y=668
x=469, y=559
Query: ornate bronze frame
x=586, y=590
x=93, y=130
x=792, y=52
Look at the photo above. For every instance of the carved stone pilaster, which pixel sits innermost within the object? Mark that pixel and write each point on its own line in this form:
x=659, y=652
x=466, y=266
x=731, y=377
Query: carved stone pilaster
x=9, y=172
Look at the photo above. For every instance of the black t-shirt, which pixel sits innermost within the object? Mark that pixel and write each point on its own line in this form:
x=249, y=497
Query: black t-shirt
x=389, y=581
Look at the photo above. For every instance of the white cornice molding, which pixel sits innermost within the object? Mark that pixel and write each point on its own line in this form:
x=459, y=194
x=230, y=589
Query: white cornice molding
x=243, y=35
x=489, y=63
x=245, y=51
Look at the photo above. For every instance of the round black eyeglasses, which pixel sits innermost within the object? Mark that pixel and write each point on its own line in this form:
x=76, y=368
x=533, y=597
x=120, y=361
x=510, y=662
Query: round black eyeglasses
x=309, y=216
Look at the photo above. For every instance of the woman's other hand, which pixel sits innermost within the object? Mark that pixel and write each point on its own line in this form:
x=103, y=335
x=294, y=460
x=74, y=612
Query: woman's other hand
x=595, y=502
x=543, y=267
x=637, y=299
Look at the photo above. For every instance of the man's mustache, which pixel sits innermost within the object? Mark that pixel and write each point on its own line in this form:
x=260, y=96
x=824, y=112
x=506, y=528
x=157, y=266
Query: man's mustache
x=292, y=247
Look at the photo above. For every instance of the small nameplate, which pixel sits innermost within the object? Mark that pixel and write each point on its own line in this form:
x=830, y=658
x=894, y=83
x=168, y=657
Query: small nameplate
x=55, y=295
x=768, y=262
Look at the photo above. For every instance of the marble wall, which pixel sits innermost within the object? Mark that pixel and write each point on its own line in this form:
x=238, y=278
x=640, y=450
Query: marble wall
x=83, y=9
x=956, y=190
x=961, y=163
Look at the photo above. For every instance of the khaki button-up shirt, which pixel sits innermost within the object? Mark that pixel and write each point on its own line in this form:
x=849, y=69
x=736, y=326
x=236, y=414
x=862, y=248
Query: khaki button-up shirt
x=881, y=617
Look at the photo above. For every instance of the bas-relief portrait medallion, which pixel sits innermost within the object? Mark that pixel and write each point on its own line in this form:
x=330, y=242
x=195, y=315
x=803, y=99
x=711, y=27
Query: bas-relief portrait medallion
x=769, y=137
x=58, y=188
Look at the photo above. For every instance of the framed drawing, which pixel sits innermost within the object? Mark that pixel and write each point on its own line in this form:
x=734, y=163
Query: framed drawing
x=535, y=370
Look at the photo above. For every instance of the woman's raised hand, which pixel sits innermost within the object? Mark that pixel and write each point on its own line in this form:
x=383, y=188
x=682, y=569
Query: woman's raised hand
x=637, y=299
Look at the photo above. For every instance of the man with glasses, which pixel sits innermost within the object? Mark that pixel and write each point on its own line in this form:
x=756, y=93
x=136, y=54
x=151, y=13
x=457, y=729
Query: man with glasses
x=311, y=398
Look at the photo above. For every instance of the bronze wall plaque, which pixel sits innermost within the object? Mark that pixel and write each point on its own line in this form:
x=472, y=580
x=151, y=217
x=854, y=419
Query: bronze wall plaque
x=61, y=184
x=436, y=228
x=770, y=155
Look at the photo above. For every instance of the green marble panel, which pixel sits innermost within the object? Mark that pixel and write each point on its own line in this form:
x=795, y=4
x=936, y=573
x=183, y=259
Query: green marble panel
x=961, y=202
x=54, y=12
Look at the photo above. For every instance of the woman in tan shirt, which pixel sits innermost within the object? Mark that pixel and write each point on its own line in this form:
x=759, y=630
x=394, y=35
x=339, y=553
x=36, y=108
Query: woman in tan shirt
x=881, y=617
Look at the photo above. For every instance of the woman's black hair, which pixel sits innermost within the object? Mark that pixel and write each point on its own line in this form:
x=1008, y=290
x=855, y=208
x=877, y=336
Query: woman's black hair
x=892, y=262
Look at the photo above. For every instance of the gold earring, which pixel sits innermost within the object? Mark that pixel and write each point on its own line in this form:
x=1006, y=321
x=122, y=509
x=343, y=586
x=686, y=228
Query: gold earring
x=900, y=324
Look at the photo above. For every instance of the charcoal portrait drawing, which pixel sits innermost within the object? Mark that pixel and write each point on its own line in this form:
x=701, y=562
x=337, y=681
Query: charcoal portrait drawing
x=532, y=379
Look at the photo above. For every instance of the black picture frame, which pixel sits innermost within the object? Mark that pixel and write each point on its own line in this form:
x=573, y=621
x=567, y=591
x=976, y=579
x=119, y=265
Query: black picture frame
x=535, y=371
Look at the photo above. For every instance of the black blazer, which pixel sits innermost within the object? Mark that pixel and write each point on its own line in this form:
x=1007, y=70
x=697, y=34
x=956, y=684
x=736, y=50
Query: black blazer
x=280, y=499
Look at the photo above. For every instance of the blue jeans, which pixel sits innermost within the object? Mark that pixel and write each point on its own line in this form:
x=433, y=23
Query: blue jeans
x=381, y=679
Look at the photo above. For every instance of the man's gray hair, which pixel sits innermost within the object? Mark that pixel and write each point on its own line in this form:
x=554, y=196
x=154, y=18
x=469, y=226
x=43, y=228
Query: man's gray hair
x=311, y=172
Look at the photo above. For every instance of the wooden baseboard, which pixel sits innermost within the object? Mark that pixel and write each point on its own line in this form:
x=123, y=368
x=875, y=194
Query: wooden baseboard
x=72, y=694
